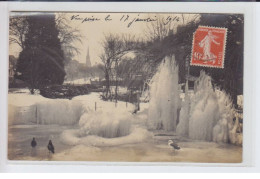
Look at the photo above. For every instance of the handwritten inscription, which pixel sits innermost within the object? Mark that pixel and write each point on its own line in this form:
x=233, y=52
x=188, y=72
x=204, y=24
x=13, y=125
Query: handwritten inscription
x=85, y=19
x=127, y=19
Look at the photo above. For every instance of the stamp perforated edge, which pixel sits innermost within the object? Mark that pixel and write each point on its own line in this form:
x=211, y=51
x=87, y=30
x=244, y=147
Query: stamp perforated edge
x=224, y=51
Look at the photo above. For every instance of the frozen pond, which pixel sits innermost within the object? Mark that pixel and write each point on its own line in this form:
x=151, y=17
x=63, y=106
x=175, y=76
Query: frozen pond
x=152, y=149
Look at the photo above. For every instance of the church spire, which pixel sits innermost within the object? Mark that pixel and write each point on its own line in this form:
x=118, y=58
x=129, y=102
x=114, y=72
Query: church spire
x=88, y=62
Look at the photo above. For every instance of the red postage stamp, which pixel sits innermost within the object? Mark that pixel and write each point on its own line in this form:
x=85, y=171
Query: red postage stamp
x=208, y=47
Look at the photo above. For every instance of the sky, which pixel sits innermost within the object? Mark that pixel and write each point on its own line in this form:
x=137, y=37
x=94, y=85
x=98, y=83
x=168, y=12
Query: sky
x=94, y=26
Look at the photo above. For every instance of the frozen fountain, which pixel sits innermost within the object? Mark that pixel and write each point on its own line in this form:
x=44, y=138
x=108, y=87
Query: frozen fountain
x=103, y=124
x=204, y=109
x=211, y=114
x=110, y=127
x=164, y=96
x=183, y=125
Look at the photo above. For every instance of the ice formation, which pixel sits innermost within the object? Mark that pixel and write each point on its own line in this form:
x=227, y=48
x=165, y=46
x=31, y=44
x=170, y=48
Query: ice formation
x=164, y=96
x=212, y=114
x=183, y=125
x=108, y=125
x=207, y=115
x=58, y=111
x=204, y=109
x=228, y=128
x=21, y=115
x=105, y=124
x=76, y=137
x=21, y=107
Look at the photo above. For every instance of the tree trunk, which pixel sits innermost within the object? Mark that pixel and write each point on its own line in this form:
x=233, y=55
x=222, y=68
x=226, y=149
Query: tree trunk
x=116, y=66
x=107, y=83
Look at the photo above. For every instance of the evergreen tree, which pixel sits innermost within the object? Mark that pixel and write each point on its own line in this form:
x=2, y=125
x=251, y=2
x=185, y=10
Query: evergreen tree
x=41, y=62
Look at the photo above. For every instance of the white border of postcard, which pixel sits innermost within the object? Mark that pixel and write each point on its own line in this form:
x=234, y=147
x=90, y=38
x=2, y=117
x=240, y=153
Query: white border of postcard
x=246, y=8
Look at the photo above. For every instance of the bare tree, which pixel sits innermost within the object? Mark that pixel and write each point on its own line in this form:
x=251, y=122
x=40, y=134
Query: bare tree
x=115, y=47
x=187, y=18
x=158, y=30
x=17, y=29
x=68, y=35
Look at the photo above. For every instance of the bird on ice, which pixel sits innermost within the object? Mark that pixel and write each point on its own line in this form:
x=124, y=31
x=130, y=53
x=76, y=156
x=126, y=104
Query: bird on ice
x=33, y=143
x=50, y=147
x=173, y=145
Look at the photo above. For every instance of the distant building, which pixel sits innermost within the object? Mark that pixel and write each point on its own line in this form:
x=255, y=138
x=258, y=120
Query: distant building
x=88, y=62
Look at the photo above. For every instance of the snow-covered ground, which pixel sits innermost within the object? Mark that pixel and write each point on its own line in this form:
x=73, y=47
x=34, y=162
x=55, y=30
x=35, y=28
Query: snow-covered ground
x=22, y=97
x=80, y=81
x=103, y=131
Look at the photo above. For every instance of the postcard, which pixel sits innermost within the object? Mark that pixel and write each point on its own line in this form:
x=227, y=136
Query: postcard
x=126, y=87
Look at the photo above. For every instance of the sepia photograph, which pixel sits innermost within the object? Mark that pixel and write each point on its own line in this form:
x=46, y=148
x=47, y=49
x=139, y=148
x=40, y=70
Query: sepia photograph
x=125, y=87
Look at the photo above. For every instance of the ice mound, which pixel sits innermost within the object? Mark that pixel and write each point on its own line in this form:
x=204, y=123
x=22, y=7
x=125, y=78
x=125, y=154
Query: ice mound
x=164, y=96
x=110, y=126
x=78, y=137
x=136, y=135
x=71, y=136
x=105, y=124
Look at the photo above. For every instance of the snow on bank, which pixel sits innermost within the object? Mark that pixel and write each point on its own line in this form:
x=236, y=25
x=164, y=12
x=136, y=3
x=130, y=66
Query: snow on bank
x=23, y=98
x=25, y=108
